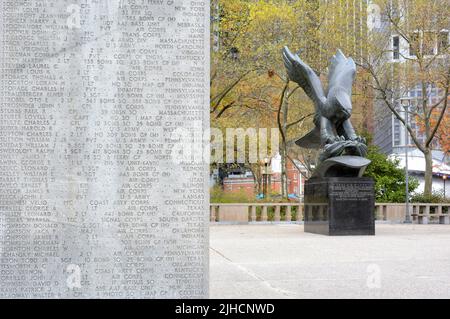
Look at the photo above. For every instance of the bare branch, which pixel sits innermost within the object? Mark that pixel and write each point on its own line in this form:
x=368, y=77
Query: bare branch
x=299, y=120
x=226, y=107
x=293, y=91
x=298, y=168
x=280, y=106
x=441, y=116
x=385, y=99
x=224, y=93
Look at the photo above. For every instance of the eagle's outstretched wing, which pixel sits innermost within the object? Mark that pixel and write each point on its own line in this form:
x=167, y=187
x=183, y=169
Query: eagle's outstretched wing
x=302, y=74
x=310, y=140
x=341, y=72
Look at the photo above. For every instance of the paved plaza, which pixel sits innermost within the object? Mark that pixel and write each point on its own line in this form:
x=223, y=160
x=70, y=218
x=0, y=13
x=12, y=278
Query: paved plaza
x=281, y=261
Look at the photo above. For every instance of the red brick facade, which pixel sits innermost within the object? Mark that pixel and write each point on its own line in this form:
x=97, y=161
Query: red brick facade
x=246, y=184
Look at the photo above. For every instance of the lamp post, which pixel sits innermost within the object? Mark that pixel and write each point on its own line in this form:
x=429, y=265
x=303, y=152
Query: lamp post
x=444, y=177
x=406, y=103
x=265, y=175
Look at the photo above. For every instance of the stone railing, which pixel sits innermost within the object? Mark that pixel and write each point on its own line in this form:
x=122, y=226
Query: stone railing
x=256, y=212
x=243, y=213
x=424, y=213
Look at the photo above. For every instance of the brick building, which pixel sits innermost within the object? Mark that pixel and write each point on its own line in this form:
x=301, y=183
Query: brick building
x=243, y=181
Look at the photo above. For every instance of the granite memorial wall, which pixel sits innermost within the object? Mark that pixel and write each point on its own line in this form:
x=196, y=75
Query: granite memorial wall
x=93, y=203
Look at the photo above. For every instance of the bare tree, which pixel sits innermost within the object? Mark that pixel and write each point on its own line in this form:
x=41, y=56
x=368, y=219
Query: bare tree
x=409, y=57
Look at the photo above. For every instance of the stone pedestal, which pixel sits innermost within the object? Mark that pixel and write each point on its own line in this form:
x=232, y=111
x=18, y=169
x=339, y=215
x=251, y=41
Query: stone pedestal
x=339, y=206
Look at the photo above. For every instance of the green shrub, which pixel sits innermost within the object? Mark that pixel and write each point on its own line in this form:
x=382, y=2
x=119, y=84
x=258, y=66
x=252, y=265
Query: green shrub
x=389, y=179
x=435, y=198
x=217, y=195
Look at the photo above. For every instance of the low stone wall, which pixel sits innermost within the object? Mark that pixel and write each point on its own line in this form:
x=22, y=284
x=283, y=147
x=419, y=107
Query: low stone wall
x=395, y=213
x=245, y=213
x=256, y=212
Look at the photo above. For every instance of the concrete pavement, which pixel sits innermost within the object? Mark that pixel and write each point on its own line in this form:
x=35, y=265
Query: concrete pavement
x=281, y=261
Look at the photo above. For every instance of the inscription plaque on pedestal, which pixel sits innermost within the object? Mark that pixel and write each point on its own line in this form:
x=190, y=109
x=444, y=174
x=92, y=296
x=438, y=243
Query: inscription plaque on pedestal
x=92, y=202
x=340, y=206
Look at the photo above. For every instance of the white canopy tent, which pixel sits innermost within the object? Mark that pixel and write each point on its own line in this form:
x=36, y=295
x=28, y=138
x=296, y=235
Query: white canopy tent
x=416, y=167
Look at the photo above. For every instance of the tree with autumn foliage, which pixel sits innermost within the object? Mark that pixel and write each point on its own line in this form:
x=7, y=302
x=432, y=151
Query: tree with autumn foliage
x=442, y=138
x=410, y=61
x=247, y=71
x=249, y=84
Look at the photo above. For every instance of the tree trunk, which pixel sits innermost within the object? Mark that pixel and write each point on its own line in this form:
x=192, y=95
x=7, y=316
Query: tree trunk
x=283, y=151
x=428, y=173
x=256, y=179
x=283, y=171
x=269, y=185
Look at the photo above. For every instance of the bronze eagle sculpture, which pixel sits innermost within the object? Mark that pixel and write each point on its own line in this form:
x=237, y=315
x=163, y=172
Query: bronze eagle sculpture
x=333, y=130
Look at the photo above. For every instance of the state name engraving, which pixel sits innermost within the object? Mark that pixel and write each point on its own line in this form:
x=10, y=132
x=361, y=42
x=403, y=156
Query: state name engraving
x=91, y=203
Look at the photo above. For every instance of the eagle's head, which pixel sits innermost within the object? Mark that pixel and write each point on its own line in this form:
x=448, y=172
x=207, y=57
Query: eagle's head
x=339, y=104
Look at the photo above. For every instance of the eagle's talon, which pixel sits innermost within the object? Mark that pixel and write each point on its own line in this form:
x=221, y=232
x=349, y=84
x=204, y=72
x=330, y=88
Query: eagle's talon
x=330, y=140
x=359, y=139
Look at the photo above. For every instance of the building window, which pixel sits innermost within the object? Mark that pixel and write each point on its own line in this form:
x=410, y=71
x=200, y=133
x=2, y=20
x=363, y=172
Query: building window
x=396, y=47
x=397, y=140
x=443, y=42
